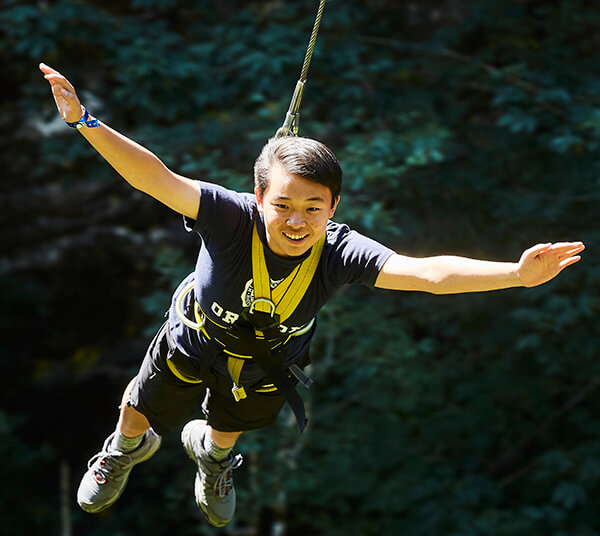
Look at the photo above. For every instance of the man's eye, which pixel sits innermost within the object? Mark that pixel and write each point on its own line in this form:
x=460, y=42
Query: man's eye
x=280, y=206
x=314, y=209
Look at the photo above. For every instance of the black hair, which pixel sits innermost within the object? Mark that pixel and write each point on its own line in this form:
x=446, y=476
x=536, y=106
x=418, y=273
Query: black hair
x=306, y=157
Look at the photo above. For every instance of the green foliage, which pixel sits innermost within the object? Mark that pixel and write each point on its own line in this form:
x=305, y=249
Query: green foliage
x=25, y=497
x=470, y=128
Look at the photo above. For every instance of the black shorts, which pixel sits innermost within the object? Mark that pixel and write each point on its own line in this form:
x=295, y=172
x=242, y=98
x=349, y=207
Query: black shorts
x=168, y=402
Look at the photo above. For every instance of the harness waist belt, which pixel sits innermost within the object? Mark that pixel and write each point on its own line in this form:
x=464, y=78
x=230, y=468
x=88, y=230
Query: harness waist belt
x=237, y=346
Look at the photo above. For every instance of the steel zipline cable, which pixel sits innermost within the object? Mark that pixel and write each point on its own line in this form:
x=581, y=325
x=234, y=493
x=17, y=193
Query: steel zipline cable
x=290, y=125
x=311, y=43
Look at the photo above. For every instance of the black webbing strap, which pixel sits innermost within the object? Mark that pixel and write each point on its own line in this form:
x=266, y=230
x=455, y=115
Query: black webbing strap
x=274, y=371
x=269, y=361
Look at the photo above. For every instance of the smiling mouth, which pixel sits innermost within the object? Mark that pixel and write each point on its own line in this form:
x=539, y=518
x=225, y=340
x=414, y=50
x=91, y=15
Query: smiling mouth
x=295, y=237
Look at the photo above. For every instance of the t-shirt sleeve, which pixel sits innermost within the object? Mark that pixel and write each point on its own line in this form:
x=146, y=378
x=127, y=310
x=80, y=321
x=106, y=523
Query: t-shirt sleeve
x=222, y=214
x=354, y=258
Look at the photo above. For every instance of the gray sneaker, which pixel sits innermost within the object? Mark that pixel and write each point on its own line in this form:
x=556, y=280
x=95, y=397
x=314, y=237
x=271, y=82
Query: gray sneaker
x=109, y=470
x=215, y=494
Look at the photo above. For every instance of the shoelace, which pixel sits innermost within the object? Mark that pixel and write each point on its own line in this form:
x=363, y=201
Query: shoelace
x=105, y=468
x=224, y=483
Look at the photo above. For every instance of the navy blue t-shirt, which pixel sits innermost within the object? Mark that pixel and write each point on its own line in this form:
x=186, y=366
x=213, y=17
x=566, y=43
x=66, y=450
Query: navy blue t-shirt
x=223, y=276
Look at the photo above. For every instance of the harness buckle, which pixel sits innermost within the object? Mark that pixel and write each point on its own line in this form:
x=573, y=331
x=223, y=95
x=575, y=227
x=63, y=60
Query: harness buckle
x=239, y=393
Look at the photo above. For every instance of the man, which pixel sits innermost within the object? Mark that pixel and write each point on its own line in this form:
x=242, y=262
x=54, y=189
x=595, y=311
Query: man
x=239, y=327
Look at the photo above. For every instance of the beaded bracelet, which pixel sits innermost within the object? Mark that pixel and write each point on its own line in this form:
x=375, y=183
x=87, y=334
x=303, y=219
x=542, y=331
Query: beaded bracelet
x=84, y=121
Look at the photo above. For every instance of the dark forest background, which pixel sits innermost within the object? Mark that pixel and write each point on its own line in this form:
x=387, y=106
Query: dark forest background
x=463, y=127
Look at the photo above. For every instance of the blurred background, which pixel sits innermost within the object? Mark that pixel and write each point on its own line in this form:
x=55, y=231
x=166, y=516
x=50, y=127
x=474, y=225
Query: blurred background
x=463, y=127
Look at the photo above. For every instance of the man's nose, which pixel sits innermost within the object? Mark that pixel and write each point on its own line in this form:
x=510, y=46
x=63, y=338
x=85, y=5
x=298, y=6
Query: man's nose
x=295, y=219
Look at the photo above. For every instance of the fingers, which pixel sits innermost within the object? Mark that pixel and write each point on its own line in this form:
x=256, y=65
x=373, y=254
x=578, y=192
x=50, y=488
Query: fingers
x=49, y=73
x=562, y=249
x=563, y=253
x=571, y=248
x=60, y=80
x=569, y=261
x=60, y=85
x=566, y=249
x=64, y=94
x=55, y=78
x=561, y=245
x=46, y=69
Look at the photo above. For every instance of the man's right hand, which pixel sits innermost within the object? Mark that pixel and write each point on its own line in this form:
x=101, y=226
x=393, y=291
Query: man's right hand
x=136, y=164
x=67, y=102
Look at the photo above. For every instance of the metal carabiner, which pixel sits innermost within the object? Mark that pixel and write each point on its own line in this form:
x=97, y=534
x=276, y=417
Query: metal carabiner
x=262, y=300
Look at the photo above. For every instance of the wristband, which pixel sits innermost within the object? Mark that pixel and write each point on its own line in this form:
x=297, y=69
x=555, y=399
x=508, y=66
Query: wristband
x=84, y=121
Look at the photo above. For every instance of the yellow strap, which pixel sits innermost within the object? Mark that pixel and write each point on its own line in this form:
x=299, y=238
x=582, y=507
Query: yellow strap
x=235, y=368
x=266, y=389
x=288, y=294
x=177, y=373
x=260, y=274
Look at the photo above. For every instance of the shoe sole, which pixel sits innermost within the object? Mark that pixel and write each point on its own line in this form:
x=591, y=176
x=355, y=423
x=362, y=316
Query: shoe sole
x=221, y=522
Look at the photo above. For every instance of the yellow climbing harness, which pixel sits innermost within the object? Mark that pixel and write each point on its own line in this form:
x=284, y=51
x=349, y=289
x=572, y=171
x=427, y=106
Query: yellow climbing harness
x=285, y=297
x=281, y=300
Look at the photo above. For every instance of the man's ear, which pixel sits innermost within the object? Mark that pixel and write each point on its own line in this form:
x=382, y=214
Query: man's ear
x=335, y=204
x=259, y=200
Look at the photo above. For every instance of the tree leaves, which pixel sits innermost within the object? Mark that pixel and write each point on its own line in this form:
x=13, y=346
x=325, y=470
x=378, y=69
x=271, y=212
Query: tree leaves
x=465, y=128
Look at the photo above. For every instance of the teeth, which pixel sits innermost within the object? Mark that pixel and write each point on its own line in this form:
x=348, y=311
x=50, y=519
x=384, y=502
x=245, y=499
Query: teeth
x=295, y=237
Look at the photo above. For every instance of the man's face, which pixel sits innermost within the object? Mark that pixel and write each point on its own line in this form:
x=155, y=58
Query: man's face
x=295, y=210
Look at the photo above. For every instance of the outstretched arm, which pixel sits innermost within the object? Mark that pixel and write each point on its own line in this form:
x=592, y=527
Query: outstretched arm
x=452, y=275
x=138, y=166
